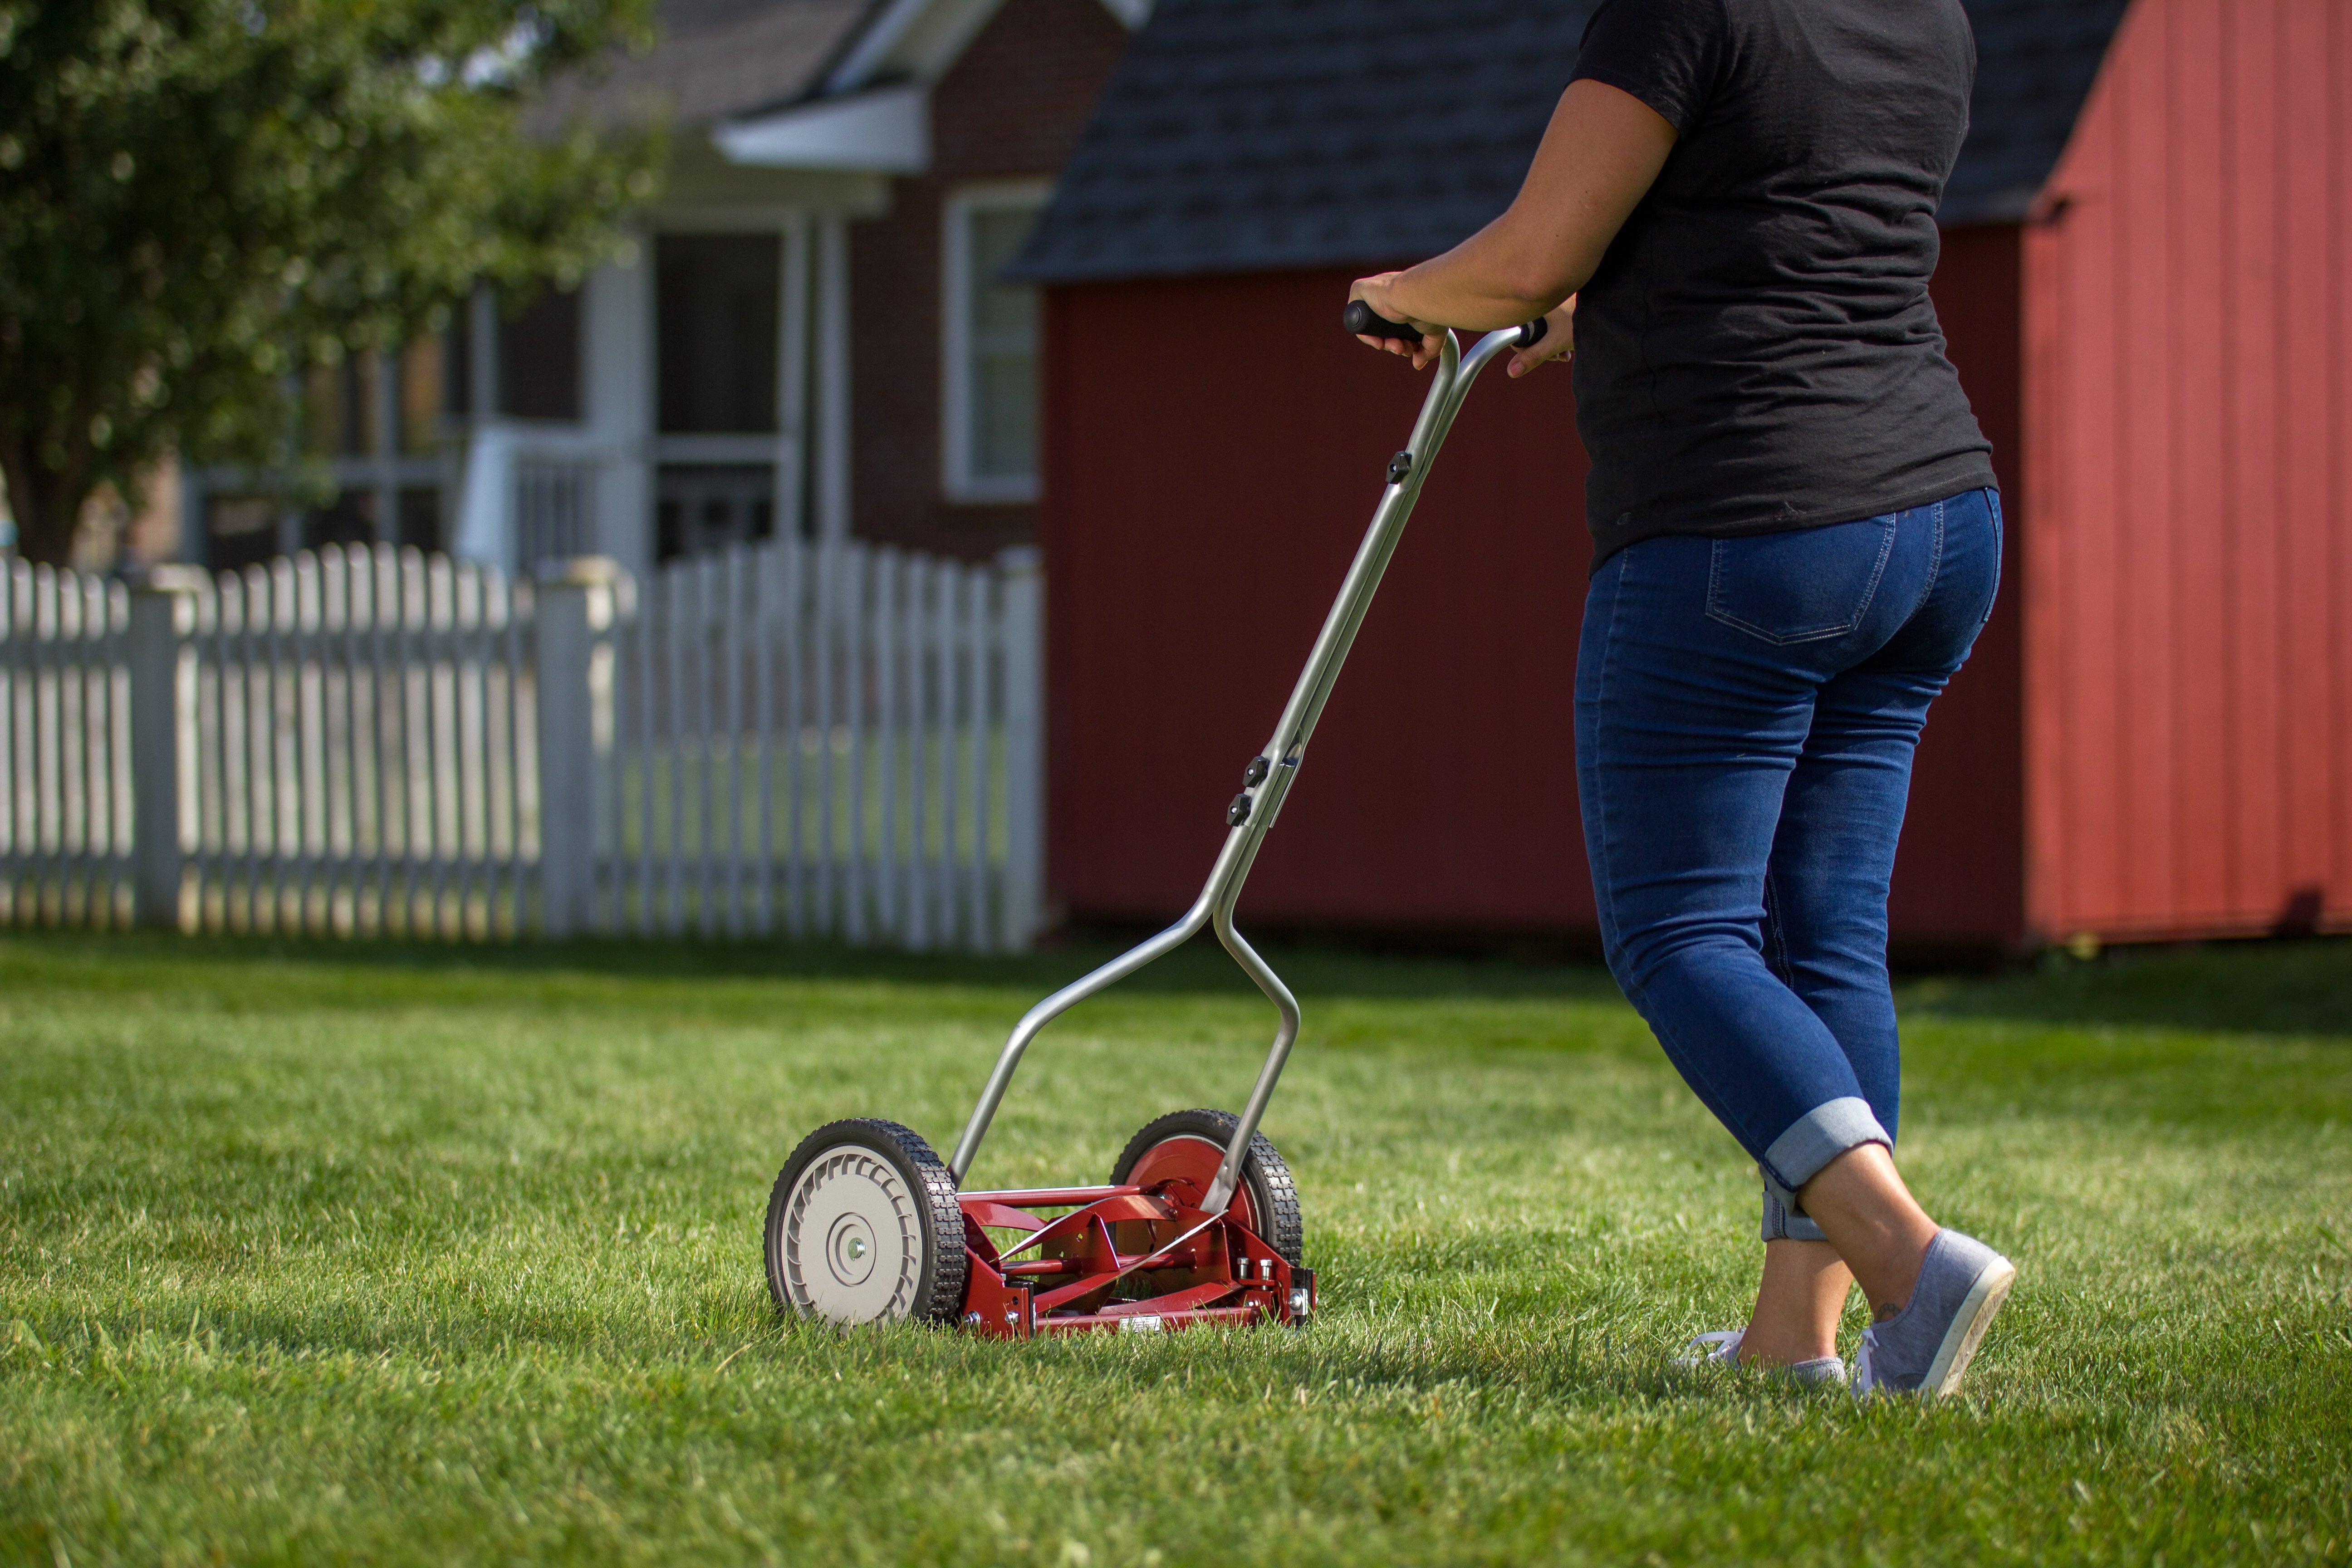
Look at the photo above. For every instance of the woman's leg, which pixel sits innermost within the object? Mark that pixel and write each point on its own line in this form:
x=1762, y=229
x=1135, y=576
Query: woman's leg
x=1825, y=937
x=1832, y=866
x=1698, y=681
x=1874, y=1224
x=1798, y=1303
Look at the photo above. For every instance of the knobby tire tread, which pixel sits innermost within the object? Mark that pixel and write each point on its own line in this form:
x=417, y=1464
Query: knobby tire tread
x=1274, y=1191
x=935, y=1188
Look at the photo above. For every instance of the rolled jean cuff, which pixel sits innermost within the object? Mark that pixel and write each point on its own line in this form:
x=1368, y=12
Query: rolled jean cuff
x=1782, y=1225
x=1816, y=1138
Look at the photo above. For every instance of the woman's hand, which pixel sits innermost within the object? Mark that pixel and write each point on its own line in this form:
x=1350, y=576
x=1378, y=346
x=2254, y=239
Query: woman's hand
x=1374, y=292
x=1599, y=156
x=1558, y=341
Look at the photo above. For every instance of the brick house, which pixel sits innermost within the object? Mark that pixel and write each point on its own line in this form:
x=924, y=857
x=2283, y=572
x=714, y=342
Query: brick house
x=809, y=334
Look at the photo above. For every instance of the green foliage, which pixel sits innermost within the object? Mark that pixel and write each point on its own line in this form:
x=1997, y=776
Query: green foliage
x=348, y=1253
x=199, y=196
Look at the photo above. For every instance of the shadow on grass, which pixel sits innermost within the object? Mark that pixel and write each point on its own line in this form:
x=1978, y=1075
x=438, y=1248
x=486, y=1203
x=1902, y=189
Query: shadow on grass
x=2302, y=988
x=1599, y=1348
x=1200, y=967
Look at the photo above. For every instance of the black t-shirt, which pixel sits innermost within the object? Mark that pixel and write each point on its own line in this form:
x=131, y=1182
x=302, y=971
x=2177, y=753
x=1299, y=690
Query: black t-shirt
x=1756, y=351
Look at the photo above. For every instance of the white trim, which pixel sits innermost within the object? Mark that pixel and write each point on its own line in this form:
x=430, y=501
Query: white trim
x=924, y=38
x=864, y=59
x=955, y=342
x=616, y=376
x=887, y=131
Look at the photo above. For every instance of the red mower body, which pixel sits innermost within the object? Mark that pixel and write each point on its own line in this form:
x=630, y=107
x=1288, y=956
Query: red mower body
x=1140, y=1259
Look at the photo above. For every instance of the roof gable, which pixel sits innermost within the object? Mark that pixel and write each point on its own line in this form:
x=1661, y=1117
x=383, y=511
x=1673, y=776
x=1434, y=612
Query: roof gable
x=2035, y=62
x=1251, y=135
x=921, y=40
x=716, y=60
x=867, y=107
x=737, y=64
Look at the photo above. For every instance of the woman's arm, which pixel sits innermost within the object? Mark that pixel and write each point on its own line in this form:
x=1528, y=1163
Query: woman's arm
x=1600, y=153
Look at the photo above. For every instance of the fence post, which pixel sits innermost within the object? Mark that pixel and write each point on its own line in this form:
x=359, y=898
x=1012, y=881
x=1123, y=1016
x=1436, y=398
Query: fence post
x=1022, y=569
x=575, y=607
x=162, y=611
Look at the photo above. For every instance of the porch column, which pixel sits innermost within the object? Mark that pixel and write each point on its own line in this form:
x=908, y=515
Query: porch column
x=616, y=322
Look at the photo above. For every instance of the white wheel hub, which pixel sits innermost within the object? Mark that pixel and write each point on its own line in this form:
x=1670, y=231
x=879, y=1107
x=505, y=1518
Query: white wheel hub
x=853, y=1242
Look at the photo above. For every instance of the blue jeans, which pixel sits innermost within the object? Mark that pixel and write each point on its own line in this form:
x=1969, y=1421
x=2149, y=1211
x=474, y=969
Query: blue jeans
x=1747, y=710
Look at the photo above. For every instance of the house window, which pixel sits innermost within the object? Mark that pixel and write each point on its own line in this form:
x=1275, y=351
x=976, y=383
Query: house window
x=991, y=345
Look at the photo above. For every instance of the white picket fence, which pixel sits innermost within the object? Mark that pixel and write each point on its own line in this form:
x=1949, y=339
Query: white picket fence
x=356, y=747
x=65, y=749
x=818, y=740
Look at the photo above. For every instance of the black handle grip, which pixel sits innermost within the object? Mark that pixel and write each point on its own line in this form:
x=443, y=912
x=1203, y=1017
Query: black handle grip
x=1361, y=322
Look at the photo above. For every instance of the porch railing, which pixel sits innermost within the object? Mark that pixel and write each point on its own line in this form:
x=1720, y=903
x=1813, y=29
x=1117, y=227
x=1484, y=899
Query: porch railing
x=529, y=496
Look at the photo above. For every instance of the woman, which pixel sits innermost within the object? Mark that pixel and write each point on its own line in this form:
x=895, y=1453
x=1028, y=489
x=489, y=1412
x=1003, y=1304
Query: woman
x=1731, y=223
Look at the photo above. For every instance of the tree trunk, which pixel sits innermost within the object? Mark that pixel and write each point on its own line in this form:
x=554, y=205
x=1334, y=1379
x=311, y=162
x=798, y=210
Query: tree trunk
x=46, y=502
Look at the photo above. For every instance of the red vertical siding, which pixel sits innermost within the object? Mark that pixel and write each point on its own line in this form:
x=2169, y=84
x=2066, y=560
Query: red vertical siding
x=1197, y=519
x=1960, y=876
x=1200, y=511
x=2189, y=735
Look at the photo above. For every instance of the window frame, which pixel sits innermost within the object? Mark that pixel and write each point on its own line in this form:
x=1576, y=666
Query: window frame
x=956, y=411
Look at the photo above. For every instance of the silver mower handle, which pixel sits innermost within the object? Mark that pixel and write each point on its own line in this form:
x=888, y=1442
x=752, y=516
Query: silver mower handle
x=1267, y=778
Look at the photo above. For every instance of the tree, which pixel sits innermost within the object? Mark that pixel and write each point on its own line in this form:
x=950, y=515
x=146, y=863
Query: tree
x=198, y=199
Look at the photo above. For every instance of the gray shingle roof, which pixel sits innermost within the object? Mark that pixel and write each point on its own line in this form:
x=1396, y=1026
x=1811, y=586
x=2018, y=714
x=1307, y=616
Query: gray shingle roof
x=715, y=59
x=2035, y=62
x=1252, y=135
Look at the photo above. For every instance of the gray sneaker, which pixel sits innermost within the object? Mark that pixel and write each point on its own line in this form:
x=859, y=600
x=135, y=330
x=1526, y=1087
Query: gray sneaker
x=1925, y=1348
x=1725, y=1352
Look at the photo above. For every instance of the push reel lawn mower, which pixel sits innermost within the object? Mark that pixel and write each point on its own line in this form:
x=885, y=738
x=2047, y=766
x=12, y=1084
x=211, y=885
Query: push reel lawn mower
x=1200, y=1220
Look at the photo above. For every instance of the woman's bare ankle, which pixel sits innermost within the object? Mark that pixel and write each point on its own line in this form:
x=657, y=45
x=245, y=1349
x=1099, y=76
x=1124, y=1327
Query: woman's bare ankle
x=1874, y=1224
x=1798, y=1304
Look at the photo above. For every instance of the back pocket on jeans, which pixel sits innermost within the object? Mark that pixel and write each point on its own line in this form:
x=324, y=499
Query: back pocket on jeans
x=1801, y=585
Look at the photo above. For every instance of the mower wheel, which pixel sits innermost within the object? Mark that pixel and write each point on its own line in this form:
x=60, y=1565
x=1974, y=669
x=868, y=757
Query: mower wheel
x=1192, y=1144
x=863, y=1226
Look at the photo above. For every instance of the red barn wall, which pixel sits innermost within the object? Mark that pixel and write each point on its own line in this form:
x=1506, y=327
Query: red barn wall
x=2188, y=562
x=1200, y=509
x=1960, y=876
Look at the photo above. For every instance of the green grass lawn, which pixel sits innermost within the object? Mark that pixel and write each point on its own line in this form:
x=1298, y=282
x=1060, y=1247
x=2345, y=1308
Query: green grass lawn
x=389, y=1254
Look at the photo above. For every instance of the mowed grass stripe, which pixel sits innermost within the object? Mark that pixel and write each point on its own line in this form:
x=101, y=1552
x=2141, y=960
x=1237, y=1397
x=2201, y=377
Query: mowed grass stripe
x=329, y=1253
